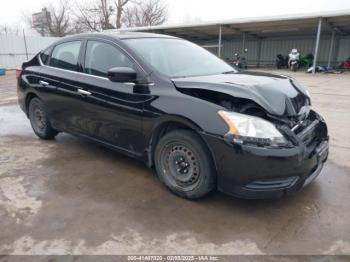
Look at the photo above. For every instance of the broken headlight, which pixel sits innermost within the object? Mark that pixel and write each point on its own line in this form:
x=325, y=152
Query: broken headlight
x=252, y=129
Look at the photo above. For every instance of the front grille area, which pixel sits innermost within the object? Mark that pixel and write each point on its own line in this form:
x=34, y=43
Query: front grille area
x=311, y=130
x=272, y=184
x=308, y=134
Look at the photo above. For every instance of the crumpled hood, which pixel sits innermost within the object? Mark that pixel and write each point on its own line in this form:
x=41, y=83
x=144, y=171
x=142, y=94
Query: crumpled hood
x=278, y=95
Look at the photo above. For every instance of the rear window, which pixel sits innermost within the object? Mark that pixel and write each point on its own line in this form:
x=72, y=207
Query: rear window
x=45, y=55
x=66, y=55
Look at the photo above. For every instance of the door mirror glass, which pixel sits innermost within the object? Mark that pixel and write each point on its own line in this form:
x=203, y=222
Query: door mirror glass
x=122, y=74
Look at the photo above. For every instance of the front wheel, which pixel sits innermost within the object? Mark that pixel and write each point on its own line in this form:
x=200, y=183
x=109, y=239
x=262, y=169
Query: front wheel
x=184, y=164
x=39, y=120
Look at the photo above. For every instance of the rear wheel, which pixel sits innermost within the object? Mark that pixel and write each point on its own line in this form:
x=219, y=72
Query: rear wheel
x=184, y=164
x=39, y=120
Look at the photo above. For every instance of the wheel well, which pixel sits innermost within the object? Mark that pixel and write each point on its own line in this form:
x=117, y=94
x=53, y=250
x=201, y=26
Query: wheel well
x=164, y=128
x=158, y=133
x=29, y=97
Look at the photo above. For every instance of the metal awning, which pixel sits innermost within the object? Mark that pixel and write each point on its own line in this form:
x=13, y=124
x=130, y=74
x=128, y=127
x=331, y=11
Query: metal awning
x=312, y=24
x=263, y=27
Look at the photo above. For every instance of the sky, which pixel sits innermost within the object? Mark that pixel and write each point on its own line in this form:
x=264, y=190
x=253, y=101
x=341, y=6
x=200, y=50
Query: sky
x=191, y=11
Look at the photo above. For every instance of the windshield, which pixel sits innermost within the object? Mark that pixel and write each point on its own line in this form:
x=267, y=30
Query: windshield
x=178, y=58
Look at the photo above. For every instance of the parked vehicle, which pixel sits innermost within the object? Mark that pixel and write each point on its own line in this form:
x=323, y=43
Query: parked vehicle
x=345, y=64
x=240, y=62
x=170, y=103
x=294, y=60
x=281, y=61
x=320, y=69
x=307, y=60
x=294, y=63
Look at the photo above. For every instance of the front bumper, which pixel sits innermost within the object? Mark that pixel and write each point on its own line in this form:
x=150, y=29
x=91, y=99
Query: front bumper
x=277, y=187
x=253, y=172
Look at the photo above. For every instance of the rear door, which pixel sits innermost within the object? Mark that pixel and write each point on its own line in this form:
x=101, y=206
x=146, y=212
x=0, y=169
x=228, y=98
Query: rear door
x=47, y=83
x=60, y=79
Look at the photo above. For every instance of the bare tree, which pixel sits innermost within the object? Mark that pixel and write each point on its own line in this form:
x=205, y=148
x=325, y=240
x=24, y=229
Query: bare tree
x=146, y=13
x=130, y=16
x=59, y=24
x=55, y=20
x=155, y=12
x=9, y=30
x=120, y=5
x=96, y=16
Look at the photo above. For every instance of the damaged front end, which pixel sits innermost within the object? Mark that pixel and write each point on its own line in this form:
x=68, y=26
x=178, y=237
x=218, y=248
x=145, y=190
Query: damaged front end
x=269, y=169
x=264, y=167
x=275, y=142
x=270, y=111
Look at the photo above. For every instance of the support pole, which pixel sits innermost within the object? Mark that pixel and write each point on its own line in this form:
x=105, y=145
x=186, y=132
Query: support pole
x=259, y=53
x=336, y=49
x=243, y=44
x=220, y=40
x=319, y=28
x=25, y=44
x=331, y=49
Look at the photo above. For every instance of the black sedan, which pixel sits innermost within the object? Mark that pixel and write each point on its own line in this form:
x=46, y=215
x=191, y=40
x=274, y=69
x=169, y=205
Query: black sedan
x=170, y=103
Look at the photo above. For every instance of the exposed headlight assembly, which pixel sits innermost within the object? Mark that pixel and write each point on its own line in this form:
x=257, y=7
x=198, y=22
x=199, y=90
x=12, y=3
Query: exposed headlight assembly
x=252, y=129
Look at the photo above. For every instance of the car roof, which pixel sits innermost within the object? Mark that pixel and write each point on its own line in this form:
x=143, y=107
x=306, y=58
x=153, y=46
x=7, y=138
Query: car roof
x=119, y=35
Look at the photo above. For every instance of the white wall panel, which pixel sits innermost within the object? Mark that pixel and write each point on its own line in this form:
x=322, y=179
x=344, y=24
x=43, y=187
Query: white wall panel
x=13, y=52
x=270, y=47
x=344, y=49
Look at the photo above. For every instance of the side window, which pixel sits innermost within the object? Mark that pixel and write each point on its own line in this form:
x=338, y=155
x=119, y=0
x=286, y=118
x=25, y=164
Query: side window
x=44, y=55
x=66, y=55
x=100, y=57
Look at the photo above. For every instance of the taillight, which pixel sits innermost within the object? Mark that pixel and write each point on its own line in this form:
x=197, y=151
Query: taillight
x=18, y=72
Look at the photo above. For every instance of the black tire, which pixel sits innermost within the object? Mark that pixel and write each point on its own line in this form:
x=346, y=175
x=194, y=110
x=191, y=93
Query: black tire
x=39, y=120
x=183, y=163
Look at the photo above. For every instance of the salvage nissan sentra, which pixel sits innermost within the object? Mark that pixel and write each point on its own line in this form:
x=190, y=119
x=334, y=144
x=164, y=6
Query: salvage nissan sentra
x=201, y=123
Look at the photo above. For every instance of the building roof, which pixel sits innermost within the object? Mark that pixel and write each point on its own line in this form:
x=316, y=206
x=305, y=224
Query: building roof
x=269, y=26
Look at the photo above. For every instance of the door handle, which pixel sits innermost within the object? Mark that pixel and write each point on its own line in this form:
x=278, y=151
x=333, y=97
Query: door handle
x=43, y=83
x=84, y=92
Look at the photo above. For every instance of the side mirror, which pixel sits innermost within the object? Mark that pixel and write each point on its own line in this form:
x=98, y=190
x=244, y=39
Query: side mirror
x=122, y=74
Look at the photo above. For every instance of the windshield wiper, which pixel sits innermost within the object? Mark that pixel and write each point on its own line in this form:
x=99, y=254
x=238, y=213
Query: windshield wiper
x=229, y=72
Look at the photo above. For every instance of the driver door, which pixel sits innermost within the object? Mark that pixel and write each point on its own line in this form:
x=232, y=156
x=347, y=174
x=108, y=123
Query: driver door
x=111, y=112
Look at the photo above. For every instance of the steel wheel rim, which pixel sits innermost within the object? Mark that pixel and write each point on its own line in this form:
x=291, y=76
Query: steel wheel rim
x=180, y=165
x=39, y=119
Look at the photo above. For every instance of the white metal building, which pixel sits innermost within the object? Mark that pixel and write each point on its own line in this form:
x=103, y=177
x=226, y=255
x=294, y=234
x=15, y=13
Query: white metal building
x=326, y=35
x=14, y=50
